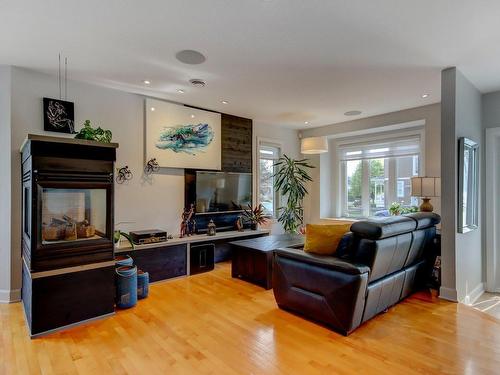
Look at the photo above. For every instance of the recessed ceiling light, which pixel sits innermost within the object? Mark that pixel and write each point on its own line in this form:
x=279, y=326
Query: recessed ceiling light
x=146, y=82
x=181, y=91
x=352, y=113
x=306, y=122
x=425, y=96
x=224, y=102
x=152, y=109
x=191, y=57
x=193, y=116
x=196, y=82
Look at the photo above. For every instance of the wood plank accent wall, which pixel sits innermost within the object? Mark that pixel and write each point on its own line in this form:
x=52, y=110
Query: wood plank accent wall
x=236, y=144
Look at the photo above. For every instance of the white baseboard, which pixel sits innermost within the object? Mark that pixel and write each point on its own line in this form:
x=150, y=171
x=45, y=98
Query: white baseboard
x=474, y=294
x=9, y=296
x=448, y=294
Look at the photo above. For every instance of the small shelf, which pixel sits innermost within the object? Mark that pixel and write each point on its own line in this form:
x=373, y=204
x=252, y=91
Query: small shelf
x=125, y=246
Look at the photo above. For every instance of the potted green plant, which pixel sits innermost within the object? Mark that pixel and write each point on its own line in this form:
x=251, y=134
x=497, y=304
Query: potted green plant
x=98, y=134
x=255, y=216
x=291, y=179
x=397, y=208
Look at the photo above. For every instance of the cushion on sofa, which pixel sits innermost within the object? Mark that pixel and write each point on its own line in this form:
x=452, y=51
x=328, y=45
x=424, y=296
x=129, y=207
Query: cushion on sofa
x=324, y=239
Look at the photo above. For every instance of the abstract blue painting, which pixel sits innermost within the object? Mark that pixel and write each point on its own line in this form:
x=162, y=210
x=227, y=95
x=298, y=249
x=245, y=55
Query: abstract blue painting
x=178, y=136
x=190, y=139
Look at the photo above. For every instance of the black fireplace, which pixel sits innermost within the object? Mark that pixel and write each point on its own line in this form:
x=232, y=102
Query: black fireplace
x=67, y=236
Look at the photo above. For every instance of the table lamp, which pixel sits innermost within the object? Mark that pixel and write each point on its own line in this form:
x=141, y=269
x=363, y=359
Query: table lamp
x=425, y=188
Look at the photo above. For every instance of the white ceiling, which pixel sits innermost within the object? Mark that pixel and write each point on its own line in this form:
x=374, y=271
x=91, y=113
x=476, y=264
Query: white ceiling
x=280, y=62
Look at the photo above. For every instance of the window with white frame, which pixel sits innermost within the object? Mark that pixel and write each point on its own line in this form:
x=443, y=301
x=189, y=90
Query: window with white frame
x=268, y=154
x=376, y=173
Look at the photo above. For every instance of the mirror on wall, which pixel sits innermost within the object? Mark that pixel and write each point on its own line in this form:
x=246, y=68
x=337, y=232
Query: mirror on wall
x=468, y=185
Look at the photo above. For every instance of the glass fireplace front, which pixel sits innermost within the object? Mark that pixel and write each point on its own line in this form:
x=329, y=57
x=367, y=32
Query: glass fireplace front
x=73, y=214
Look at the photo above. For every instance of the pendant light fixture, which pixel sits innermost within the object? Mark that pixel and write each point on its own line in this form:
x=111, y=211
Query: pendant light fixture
x=313, y=145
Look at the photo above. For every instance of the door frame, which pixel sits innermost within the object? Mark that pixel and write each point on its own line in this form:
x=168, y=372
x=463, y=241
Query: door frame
x=492, y=218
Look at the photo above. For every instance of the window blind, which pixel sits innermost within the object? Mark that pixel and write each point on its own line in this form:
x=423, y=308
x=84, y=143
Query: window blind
x=379, y=148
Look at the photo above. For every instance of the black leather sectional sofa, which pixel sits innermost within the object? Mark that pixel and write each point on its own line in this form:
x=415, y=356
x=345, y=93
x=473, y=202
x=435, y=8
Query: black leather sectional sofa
x=379, y=263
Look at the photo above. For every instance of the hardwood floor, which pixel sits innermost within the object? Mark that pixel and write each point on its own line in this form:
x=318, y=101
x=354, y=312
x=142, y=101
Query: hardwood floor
x=213, y=324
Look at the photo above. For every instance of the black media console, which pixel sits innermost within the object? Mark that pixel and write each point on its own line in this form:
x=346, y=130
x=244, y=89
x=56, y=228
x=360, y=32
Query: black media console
x=185, y=256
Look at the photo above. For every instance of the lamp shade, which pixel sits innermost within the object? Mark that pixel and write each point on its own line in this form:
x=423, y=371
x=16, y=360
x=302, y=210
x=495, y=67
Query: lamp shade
x=313, y=145
x=425, y=186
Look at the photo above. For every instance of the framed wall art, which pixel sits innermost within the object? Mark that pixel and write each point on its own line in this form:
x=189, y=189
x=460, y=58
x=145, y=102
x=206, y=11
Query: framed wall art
x=182, y=137
x=58, y=116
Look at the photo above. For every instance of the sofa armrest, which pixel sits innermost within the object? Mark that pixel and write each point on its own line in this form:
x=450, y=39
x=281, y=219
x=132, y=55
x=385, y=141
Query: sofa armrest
x=323, y=261
x=323, y=288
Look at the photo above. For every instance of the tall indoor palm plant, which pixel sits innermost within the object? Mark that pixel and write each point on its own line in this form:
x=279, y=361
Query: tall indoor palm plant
x=291, y=179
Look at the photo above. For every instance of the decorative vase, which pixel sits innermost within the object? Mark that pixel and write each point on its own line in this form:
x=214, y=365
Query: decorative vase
x=253, y=226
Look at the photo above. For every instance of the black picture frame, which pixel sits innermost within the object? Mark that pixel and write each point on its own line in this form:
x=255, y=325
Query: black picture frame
x=58, y=116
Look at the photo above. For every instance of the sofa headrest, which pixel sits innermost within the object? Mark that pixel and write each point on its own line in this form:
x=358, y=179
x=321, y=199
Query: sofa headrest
x=378, y=228
x=425, y=219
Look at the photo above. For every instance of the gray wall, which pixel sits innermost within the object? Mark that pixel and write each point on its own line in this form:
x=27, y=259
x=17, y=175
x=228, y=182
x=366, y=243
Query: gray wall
x=491, y=109
x=5, y=209
x=462, y=254
x=146, y=203
x=491, y=119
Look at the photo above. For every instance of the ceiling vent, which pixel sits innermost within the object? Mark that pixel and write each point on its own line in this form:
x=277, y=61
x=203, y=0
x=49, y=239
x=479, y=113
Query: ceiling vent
x=197, y=82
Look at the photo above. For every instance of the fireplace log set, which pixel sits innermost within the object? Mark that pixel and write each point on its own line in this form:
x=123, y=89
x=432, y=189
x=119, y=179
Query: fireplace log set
x=67, y=229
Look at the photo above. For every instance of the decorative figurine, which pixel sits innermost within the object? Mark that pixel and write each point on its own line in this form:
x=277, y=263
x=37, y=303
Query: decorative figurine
x=211, y=228
x=188, y=224
x=239, y=224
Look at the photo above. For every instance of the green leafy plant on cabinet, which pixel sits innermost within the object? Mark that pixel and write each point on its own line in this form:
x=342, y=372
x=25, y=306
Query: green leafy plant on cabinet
x=94, y=134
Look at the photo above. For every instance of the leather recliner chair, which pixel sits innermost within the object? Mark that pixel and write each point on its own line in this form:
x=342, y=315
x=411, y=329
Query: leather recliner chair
x=379, y=263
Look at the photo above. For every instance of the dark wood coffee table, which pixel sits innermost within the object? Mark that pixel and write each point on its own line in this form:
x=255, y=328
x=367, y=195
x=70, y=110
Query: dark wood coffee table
x=252, y=260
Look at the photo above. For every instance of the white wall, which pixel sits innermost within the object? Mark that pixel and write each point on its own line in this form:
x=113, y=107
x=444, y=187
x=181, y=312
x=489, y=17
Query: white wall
x=462, y=253
x=318, y=203
x=147, y=203
x=5, y=205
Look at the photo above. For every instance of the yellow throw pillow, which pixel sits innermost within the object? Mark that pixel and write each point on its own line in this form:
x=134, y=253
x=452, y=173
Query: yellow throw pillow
x=324, y=239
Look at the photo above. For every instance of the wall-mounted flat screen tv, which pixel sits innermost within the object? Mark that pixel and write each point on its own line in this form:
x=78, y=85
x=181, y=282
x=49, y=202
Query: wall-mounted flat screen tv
x=218, y=191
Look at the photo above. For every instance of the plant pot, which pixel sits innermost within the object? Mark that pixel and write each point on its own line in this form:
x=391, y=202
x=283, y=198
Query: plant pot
x=253, y=226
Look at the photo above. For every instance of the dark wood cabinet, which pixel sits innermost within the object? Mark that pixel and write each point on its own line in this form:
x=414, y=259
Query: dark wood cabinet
x=252, y=259
x=197, y=254
x=59, y=300
x=223, y=249
x=162, y=262
x=252, y=265
x=67, y=231
x=201, y=258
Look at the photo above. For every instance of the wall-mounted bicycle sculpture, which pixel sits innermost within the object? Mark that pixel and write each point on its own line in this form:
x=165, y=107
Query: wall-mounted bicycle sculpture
x=123, y=174
x=151, y=166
